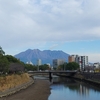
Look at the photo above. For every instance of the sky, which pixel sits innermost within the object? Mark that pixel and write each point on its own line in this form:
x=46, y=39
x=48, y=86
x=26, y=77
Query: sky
x=72, y=26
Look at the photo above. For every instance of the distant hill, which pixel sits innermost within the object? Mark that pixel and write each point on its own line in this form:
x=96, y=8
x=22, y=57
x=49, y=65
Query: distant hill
x=46, y=56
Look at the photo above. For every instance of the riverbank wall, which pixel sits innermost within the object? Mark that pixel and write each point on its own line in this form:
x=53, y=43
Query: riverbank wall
x=91, y=78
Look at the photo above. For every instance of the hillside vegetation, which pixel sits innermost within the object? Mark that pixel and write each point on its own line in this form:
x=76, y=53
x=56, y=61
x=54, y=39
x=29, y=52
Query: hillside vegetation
x=13, y=80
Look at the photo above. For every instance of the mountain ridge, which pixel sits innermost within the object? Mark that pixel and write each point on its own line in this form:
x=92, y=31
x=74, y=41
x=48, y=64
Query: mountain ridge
x=46, y=56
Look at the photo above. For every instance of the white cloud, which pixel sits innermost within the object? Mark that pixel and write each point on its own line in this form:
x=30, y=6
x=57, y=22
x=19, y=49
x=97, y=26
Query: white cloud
x=53, y=46
x=26, y=22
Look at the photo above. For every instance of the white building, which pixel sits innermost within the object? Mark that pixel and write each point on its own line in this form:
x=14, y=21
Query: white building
x=83, y=62
x=96, y=65
x=29, y=63
x=39, y=62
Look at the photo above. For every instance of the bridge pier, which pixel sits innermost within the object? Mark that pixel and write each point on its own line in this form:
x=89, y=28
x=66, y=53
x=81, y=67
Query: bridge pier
x=50, y=76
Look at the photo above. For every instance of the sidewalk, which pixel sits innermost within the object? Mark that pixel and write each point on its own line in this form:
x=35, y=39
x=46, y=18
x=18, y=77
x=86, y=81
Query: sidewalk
x=16, y=89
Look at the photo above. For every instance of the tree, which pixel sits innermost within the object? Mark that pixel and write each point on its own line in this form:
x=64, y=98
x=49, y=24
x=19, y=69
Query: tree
x=1, y=51
x=72, y=66
x=16, y=68
x=4, y=64
x=62, y=67
x=29, y=67
x=12, y=59
x=43, y=67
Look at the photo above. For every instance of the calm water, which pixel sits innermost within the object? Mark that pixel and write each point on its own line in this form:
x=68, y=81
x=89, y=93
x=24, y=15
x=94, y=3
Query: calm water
x=68, y=89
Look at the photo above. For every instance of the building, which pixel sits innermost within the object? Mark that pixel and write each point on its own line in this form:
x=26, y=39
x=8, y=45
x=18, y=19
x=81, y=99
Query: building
x=76, y=58
x=57, y=62
x=81, y=60
x=39, y=62
x=96, y=65
x=29, y=63
x=71, y=58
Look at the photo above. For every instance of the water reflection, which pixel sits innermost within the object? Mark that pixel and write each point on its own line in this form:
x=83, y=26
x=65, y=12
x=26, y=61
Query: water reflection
x=69, y=89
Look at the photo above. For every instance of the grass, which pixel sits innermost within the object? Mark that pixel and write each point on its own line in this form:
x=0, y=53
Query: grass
x=10, y=81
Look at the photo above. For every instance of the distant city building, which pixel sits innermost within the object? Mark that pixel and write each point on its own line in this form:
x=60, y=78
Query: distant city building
x=81, y=60
x=96, y=65
x=57, y=62
x=39, y=62
x=71, y=58
x=76, y=58
x=29, y=63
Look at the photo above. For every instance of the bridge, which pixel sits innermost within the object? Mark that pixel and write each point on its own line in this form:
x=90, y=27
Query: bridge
x=67, y=72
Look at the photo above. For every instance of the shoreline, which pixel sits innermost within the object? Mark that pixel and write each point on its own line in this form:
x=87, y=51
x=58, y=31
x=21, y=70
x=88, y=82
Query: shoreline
x=82, y=77
x=40, y=90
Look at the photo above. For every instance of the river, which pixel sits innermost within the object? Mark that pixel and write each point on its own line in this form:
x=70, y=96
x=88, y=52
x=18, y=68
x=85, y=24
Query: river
x=69, y=89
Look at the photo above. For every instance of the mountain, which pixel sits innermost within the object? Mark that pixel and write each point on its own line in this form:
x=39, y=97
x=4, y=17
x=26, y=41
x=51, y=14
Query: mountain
x=46, y=56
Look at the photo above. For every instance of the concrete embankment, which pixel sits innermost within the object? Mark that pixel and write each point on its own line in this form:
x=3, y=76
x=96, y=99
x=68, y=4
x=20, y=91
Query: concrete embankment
x=93, y=78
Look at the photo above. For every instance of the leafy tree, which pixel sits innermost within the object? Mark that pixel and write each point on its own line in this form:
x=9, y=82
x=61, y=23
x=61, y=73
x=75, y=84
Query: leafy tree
x=4, y=64
x=62, y=67
x=12, y=59
x=1, y=51
x=43, y=67
x=30, y=67
x=69, y=66
x=72, y=66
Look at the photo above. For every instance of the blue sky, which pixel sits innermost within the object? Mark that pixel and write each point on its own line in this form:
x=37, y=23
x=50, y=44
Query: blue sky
x=72, y=26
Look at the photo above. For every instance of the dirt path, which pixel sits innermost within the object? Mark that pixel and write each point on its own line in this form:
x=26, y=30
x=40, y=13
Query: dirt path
x=40, y=90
